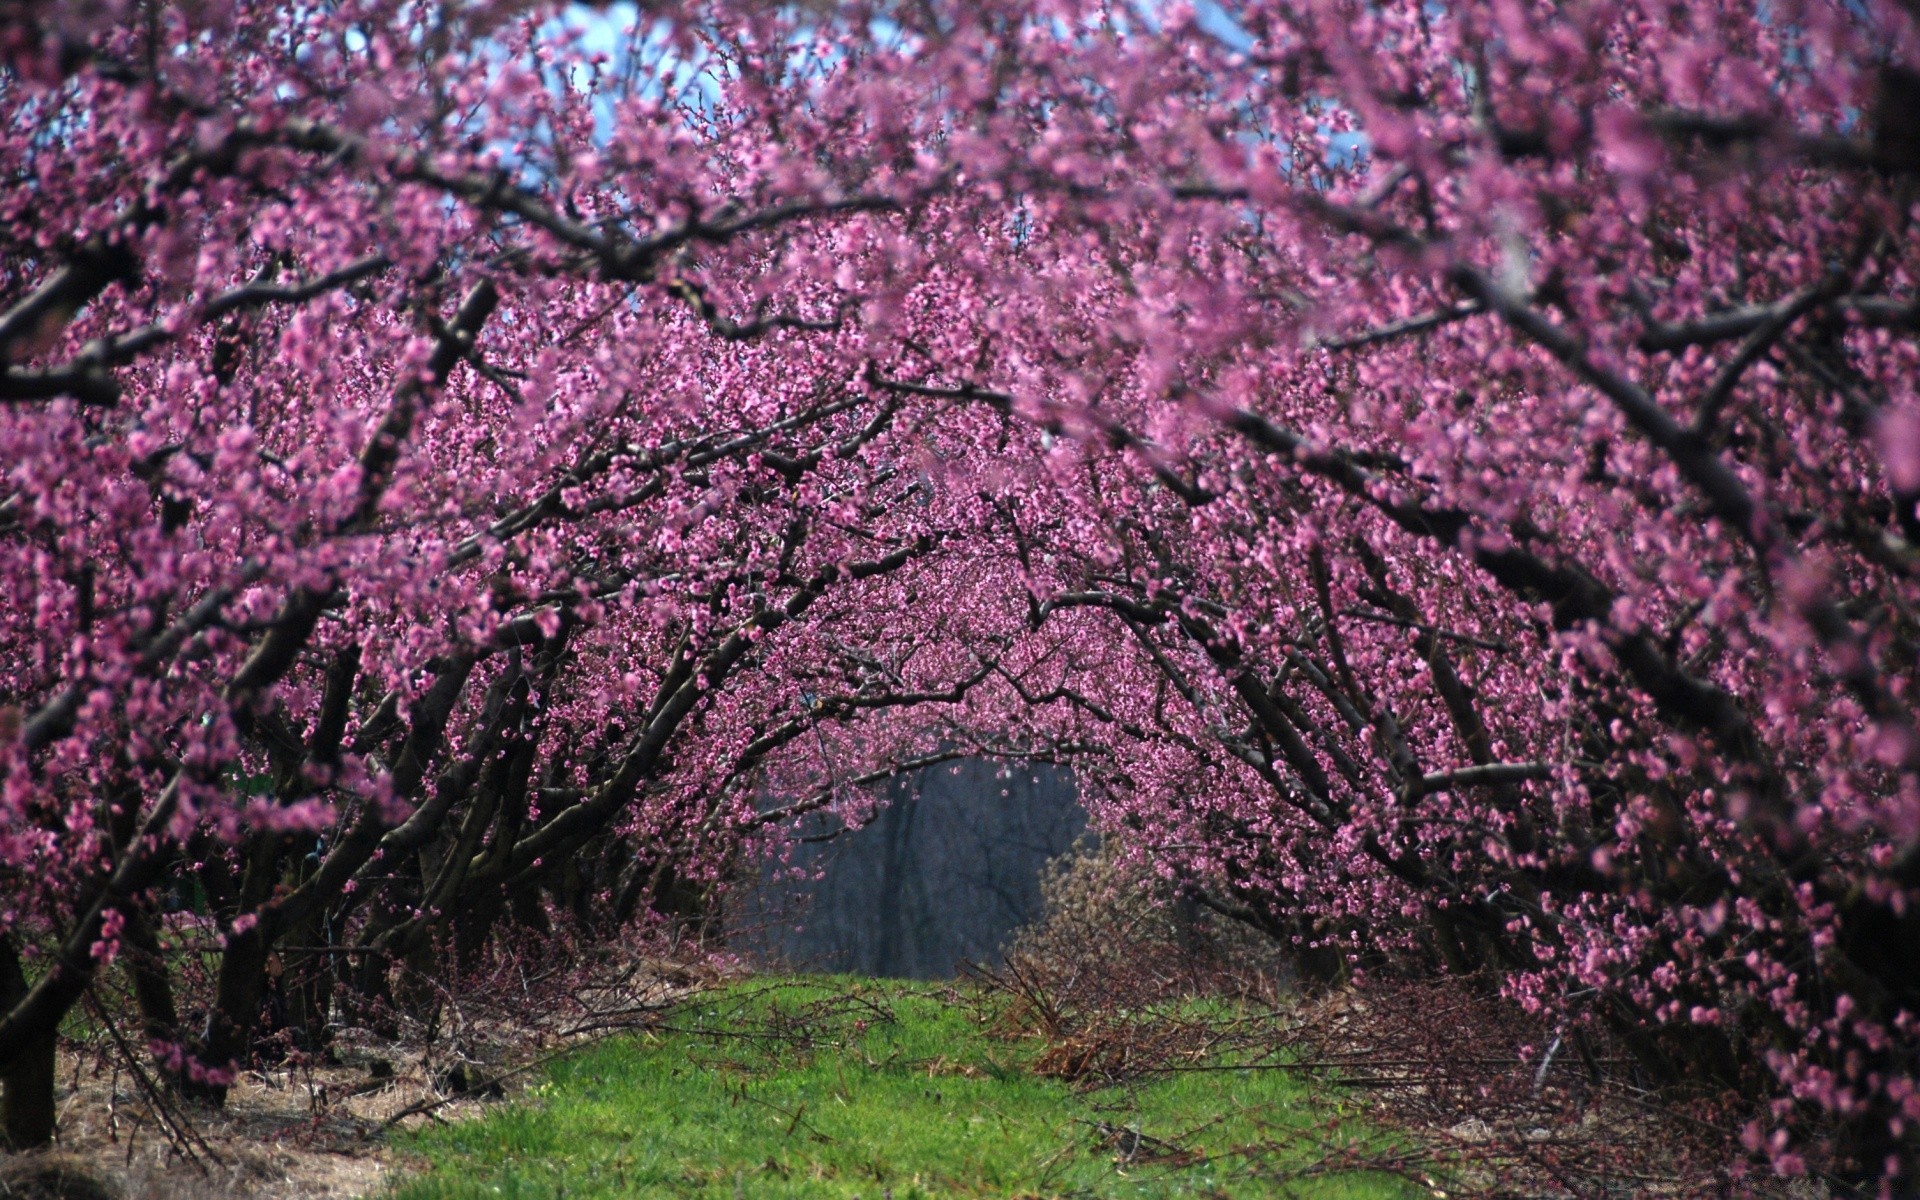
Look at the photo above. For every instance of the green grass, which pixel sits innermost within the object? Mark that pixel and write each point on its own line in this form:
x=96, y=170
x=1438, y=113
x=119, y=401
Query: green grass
x=841, y=1088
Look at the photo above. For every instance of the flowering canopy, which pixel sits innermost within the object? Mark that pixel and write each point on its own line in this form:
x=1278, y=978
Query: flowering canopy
x=1444, y=475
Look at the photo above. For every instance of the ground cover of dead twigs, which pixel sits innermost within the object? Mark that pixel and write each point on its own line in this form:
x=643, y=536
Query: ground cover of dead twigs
x=306, y=1129
x=1469, y=1097
x=1507, y=1106
x=1476, y=1097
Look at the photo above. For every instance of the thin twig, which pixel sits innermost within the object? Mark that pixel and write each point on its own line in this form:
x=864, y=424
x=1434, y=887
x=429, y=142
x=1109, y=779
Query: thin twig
x=181, y=1134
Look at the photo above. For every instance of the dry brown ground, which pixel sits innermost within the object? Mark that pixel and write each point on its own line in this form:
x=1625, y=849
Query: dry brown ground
x=312, y=1131
x=1439, y=1061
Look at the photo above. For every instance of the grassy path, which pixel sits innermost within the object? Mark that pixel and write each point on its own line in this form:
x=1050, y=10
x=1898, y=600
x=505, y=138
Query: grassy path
x=838, y=1088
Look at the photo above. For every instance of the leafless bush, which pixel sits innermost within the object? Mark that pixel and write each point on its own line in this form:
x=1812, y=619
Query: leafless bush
x=1104, y=975
x=1114, y=928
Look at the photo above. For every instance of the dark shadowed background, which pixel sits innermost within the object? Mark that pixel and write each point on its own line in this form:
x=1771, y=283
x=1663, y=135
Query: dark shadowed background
x=945, y=873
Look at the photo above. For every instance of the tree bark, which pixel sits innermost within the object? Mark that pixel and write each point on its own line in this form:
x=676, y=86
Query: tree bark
x=152, y=986
x=26, y=1086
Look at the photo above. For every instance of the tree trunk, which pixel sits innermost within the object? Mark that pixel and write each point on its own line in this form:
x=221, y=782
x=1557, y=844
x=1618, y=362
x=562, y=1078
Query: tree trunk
x=226, y=1040
x=899, y=925
x=26, y=1088
x=147, y=969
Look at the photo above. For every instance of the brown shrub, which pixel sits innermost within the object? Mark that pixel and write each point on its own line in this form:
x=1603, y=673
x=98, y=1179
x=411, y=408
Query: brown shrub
x=1113, y=932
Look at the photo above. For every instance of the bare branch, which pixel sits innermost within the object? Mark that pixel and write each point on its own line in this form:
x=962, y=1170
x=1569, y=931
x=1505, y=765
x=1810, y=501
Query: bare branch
x=1406, y=328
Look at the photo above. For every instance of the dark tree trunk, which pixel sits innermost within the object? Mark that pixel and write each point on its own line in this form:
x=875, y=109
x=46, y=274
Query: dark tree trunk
x=227, y=1039
x=473, y=925
x=147, y=969
x=309, y=984
x=26, y=1087
x=225, y=1042
x=891, y=900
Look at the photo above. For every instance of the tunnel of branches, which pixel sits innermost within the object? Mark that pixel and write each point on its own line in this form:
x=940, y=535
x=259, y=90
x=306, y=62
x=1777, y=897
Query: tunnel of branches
x=484, y=481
